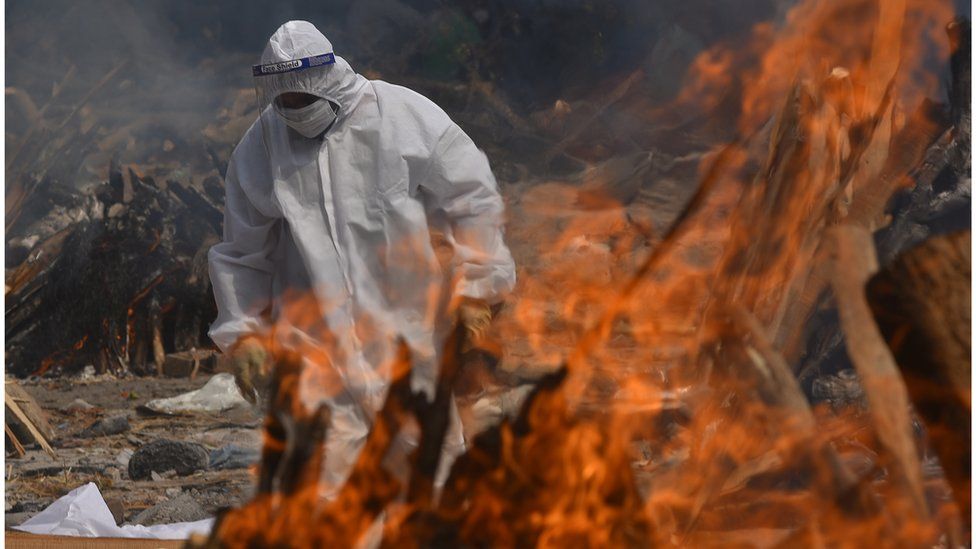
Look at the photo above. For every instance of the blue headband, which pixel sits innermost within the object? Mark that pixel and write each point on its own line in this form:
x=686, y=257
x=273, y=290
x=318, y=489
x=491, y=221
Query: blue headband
x=294, y=64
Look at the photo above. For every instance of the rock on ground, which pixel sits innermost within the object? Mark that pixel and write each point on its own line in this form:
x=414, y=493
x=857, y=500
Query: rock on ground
x=183, y=508
x=233, y=456
x=107, y=426
x=168, y=455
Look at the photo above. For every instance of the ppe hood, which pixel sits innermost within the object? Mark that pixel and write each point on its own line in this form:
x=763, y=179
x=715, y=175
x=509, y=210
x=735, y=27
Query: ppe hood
x=299, y=59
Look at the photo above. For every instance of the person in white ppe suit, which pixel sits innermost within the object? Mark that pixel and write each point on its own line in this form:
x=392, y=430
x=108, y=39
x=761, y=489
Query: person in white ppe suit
x=333, y=193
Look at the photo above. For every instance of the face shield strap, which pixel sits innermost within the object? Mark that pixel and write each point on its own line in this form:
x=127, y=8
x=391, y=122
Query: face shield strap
x=293, y=65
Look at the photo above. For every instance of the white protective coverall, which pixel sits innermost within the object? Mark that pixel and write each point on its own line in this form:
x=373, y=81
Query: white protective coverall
x=346, y=218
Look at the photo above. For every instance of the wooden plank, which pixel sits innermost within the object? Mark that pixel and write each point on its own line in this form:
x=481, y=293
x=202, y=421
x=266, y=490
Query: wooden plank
x=22, y=417
x=854, y=262
x=778, y=383
x=922, y=302
x=30, y=407
x=23, y=540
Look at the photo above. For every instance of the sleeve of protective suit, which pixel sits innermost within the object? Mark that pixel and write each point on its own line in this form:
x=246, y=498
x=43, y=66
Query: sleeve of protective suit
x=462, y=186
x=240, y=266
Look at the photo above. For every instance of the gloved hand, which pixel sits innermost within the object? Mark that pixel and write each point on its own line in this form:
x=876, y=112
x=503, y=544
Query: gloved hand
x=252, y=367
x=475, y=316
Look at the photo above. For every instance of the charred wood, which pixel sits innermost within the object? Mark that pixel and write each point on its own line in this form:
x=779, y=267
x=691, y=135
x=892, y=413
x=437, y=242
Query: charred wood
x=922, y=304
x=109, y=290
x=854, y=261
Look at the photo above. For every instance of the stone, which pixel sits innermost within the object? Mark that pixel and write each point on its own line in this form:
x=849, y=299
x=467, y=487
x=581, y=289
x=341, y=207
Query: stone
x=164, y=455
x=117, y=507
x=124, y=456
x=233, y=456
x=77, y=405
x=180, y=509
x=107, y=426
x=112, y=473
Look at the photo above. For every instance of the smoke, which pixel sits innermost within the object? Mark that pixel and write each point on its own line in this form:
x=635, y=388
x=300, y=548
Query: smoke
x=181, y=99
x=181, y=57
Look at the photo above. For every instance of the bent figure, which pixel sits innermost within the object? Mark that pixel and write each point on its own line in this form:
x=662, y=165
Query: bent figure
x=331, y=197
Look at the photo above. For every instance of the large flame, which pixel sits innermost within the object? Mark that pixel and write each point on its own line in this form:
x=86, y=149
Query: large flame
x=675, y=418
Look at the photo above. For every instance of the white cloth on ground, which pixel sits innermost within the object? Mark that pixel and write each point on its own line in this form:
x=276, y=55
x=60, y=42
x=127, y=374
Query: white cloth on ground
x=82, y=512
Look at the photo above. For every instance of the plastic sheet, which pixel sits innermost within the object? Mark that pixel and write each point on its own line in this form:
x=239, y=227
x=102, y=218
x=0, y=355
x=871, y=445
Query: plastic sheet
x=83, y=512
x=219, y=394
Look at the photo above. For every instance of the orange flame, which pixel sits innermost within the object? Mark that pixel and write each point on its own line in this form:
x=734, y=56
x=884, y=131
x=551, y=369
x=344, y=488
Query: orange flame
x=673, y=422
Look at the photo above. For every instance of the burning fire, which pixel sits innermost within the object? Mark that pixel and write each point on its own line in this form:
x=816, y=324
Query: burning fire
x=675, y=415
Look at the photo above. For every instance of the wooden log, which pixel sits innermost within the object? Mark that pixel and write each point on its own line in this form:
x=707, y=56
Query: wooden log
x=751, y=366
x=848, y=492
x=18, y=447
x=497, y=103
x=854, y=261
x=128, y=276
x=18, y=413
x=13, y=208
x=922, y=305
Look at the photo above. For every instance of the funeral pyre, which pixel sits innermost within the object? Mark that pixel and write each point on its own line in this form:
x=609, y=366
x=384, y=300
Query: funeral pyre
x=682, y=348
x=678, y=416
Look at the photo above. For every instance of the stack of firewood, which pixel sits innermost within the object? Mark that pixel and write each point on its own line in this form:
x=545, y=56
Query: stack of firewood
x=121, y=287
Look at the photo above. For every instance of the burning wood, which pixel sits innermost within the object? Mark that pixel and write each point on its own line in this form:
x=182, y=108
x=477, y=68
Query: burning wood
x=921, y=302
x=854, y=263
x=752, y=452
x=125, y=283
x=678, y=414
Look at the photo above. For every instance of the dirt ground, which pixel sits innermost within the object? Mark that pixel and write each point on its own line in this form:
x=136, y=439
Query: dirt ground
x=36, y=480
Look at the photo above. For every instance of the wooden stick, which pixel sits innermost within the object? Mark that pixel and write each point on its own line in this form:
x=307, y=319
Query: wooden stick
x=196, y=363
x=501, y=107
x=159, y=354
x=779, y=389
x=782, y=383
x=35, y=123
x=13, y=438
x=777, y=376
x=854, y=262
x=13, y=208
x=22, y=418
x=922, y=302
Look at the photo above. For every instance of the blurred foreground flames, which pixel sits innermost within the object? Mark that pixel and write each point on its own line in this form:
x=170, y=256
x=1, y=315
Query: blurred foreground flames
x=704, y=407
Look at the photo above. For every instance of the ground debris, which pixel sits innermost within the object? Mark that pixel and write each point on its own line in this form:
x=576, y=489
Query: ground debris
x=182, y=508
x=233, y=456
x=113, y=425
x=77, y=405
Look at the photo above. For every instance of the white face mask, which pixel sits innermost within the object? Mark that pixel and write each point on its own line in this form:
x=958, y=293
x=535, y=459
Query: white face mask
x=310, y=120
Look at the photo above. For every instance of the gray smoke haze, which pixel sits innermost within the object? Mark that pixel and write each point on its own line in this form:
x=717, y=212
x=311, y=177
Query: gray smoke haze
x=177, y=102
